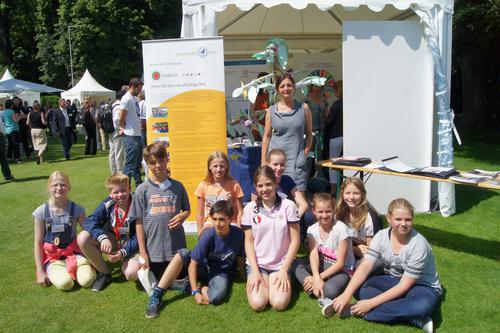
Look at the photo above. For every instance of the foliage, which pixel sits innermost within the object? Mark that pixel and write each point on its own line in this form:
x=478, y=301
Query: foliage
x=476, y=52
x=106, y=37
x=49, y=100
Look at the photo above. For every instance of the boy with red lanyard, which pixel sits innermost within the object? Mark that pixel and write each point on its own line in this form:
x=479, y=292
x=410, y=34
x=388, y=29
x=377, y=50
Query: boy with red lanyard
x=109, y=230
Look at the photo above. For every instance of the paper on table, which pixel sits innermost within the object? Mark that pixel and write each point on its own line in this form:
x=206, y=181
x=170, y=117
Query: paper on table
x=397, y=165
x=374, y=165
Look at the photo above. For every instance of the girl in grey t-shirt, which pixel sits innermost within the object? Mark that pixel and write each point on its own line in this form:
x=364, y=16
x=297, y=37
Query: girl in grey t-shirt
x=409, y=290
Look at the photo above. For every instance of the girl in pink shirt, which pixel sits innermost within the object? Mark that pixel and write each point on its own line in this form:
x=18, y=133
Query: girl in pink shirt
x=271, y=226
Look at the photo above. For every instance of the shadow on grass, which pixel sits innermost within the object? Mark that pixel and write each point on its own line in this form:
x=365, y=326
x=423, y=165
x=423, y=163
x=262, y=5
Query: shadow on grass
x=437, y=315
x=461, y=243
x=29, y=179
x=467, y=197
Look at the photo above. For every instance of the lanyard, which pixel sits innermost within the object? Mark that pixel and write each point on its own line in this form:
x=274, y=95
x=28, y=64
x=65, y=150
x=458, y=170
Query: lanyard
x=120, y=221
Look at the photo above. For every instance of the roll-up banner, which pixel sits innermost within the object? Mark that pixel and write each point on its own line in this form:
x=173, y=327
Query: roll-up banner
x=185, y=105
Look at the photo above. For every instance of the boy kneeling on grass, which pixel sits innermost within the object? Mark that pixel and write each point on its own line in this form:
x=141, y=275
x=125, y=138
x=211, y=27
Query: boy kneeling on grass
x=215, y=257
x=109, y=230
x=160, y=206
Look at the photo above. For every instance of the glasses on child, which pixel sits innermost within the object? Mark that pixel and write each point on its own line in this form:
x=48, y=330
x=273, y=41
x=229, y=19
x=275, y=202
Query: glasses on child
x=58, y=185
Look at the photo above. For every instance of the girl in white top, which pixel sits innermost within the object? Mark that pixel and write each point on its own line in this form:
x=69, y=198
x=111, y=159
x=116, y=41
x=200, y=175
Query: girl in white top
x=271, y=226
x=331, y=261
x=409, y=290
x=353, y=210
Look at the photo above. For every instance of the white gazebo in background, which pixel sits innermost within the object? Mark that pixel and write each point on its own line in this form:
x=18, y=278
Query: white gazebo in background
x=88, y=87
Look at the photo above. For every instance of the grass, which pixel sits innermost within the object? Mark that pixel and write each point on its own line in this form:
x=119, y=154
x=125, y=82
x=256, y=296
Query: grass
x=466, y=247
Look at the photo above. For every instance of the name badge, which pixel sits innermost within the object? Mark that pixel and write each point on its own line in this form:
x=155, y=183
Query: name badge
x=58, y=228
x=123, y=231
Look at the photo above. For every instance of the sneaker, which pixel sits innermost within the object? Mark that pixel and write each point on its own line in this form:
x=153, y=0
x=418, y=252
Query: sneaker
x=153, y=307
x=426, y=324
x=322, y=301
x=102, y=280
x=19, y=161
x=328, y=310
x=181, y=285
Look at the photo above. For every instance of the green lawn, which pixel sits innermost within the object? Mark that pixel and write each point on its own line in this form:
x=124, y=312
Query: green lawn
x=466, y=246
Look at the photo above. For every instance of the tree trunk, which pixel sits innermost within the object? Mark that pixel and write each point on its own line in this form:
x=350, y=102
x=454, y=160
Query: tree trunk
x=5, y=44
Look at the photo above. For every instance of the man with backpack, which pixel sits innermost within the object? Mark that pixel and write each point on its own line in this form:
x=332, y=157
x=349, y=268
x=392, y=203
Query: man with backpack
x=116, y=150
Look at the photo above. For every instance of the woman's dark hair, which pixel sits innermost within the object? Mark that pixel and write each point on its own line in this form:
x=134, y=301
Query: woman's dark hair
x=8, y=104
x=265, y=171
x=223, y=207
x=282, y=77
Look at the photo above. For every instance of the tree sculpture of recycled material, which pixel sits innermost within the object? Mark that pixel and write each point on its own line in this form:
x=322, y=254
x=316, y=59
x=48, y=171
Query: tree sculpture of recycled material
x=276, y=48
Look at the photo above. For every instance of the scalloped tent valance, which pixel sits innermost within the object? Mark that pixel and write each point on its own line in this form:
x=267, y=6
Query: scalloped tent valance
x=192, y=6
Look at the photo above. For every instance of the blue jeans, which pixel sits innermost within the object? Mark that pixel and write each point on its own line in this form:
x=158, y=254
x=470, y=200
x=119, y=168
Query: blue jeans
x=419, y=301
x=218, y=284
x=133, y=157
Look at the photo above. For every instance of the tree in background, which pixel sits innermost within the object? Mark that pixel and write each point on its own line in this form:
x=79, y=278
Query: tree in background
x=17, y=34
x=476, y=67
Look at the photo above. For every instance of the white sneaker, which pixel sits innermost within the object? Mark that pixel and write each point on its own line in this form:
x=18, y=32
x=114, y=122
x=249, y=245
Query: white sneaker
x=425, y=324
x=327, y=307
x=327, y=310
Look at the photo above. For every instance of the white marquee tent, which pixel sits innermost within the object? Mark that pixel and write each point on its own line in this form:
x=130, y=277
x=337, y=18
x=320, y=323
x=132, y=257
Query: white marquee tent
x=316, y=26
x=88, y=87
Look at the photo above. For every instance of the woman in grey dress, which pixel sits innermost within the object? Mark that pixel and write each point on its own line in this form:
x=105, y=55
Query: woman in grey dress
x=289, y=127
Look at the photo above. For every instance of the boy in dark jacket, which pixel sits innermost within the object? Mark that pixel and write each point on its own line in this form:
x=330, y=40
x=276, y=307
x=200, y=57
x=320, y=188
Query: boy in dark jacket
x=109, y=230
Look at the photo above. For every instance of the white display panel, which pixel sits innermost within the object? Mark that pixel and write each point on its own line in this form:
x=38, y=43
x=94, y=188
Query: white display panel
x=388, y=104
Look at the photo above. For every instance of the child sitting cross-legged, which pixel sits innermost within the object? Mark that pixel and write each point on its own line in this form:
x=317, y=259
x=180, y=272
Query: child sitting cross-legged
x=214, y=259
x=160, y=207
x=331, y=260
x=109, y=230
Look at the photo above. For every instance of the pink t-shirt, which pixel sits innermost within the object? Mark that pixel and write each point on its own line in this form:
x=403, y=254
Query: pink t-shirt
x=230, y=191
x=270, y=231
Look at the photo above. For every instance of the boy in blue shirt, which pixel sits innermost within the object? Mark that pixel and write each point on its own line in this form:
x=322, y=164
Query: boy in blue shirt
x=159, y=207
x=214, y=259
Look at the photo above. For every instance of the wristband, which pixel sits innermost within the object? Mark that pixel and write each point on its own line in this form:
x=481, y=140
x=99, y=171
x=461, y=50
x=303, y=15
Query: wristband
x=196, y=291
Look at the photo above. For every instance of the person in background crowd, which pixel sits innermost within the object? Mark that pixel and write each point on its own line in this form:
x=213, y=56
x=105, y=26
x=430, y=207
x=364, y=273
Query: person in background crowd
x=24, y=133
x=72, y=114
x=7, y=175
x=62, y=127
x=130, y=128
x=10, y=120
x=142, y=117
x=50, y=119
x=90, y=128
x=102, y=133
x=116, y=150
x=333, y=134
x=38, y=121
x=319, y=106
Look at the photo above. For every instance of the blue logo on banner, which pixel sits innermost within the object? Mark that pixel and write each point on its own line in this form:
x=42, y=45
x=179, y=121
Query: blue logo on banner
x=202, y=52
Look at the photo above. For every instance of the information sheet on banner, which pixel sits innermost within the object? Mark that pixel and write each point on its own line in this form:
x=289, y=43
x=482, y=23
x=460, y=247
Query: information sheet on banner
x=184, y=83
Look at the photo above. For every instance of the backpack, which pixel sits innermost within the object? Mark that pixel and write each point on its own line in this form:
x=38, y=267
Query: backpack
x=106, y=119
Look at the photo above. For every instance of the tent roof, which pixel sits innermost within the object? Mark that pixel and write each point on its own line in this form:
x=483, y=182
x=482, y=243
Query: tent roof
x=6, y=75
x=16, y=86
x=87, y=84
x=317, y=27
